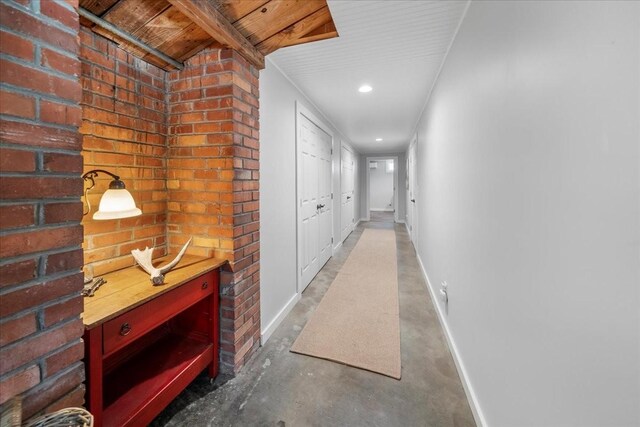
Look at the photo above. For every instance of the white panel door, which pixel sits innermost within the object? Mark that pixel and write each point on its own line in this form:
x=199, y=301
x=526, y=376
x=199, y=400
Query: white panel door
x=315, y=199
x=347, y=182
x=324, y=196
x=412, y=216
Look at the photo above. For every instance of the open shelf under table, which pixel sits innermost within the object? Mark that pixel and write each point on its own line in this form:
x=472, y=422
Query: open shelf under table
x=145, y=384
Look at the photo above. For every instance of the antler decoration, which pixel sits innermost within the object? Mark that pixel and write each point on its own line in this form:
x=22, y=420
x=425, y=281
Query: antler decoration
x=144, y=257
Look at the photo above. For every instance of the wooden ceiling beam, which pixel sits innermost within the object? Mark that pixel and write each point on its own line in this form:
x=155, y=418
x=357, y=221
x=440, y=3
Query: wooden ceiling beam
x=274, y=17
x=329, y=27
x=234, y=9
x=130, y=15
x=290, y=35
x=205, y=14
x=327, y=31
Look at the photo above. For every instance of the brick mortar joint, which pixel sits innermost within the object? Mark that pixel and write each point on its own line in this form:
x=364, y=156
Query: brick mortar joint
x=55, y=377
x=43, y=356
x=38, y=312
x=39, y=67
x=38, y=96
x=45, y=18
x=12, y=119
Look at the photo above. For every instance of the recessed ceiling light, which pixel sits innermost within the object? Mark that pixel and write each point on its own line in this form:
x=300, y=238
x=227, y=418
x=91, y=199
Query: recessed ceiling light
x=378, y=139
x=365, y=89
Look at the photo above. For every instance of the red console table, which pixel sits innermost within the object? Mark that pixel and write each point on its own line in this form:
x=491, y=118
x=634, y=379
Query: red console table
x=144, y=344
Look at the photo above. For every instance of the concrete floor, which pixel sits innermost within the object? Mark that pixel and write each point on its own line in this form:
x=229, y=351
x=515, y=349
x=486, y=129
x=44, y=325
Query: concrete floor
x=280, y=388
x=378, y=216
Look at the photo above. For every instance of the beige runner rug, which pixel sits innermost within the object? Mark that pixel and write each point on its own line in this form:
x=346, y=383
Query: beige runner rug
x=357, y=322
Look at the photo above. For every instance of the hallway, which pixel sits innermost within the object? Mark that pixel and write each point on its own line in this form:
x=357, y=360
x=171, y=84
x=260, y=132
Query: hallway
x=280, y=388
x=255, y=138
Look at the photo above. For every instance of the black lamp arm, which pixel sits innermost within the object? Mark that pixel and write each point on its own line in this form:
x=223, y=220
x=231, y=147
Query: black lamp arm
x=116, y=184
x=93, y=173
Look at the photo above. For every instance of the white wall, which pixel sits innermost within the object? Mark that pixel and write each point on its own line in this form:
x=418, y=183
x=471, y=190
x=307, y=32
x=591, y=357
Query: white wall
x=528, y=162
x=381, y=187
x=278, y=254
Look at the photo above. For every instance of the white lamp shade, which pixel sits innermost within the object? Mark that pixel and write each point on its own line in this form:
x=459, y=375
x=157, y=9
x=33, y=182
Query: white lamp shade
x=117, y=204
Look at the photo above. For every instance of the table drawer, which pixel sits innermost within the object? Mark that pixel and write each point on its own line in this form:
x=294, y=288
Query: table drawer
x=127, y=327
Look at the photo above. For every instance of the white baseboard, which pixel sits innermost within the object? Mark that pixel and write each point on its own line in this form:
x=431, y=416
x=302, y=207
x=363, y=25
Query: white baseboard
x=361, y=220
x=380, y=210
x=353, y=227
x=466, y=384
x=273, y=325
x=400, y=221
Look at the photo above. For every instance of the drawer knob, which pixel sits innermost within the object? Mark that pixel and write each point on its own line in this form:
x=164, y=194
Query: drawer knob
x=125, y=329
x=205, y=285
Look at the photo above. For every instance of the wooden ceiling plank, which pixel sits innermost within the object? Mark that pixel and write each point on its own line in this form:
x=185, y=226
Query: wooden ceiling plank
x=234, y=9
x=274, y=17
x=327, y=31
x=206, y=16
x=191, y=40
x=130, y=15
x=166, y=27
x=97, y=7
x=316, y=38
x=128, y=37
x=329, y=27
x=295, y=31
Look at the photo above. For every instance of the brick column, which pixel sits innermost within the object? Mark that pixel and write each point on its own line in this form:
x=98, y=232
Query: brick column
x=212, y=180
x=40, y=208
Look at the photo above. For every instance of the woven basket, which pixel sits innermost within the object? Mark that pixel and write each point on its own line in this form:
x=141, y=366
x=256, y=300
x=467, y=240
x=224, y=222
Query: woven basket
x=67, y=417
x=11, y=412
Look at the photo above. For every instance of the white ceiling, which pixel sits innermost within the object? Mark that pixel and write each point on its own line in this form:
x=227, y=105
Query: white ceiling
x=395, y=46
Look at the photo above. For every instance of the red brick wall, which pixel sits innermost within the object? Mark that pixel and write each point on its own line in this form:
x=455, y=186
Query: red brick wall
x=213, y=155
x=202, y=183
x=191, y=162
x=40, y=208
x=213, y=162
x=124, y=131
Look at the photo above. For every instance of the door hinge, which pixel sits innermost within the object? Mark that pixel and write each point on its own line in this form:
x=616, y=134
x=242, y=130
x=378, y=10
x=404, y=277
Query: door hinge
x=332, y=240
x=331, y=196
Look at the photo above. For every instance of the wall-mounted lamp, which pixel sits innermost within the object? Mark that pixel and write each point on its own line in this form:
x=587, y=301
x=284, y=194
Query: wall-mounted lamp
x=115, y=203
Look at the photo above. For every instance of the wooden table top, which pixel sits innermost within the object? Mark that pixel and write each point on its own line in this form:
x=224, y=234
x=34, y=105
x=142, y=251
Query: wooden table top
x=131, y=287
